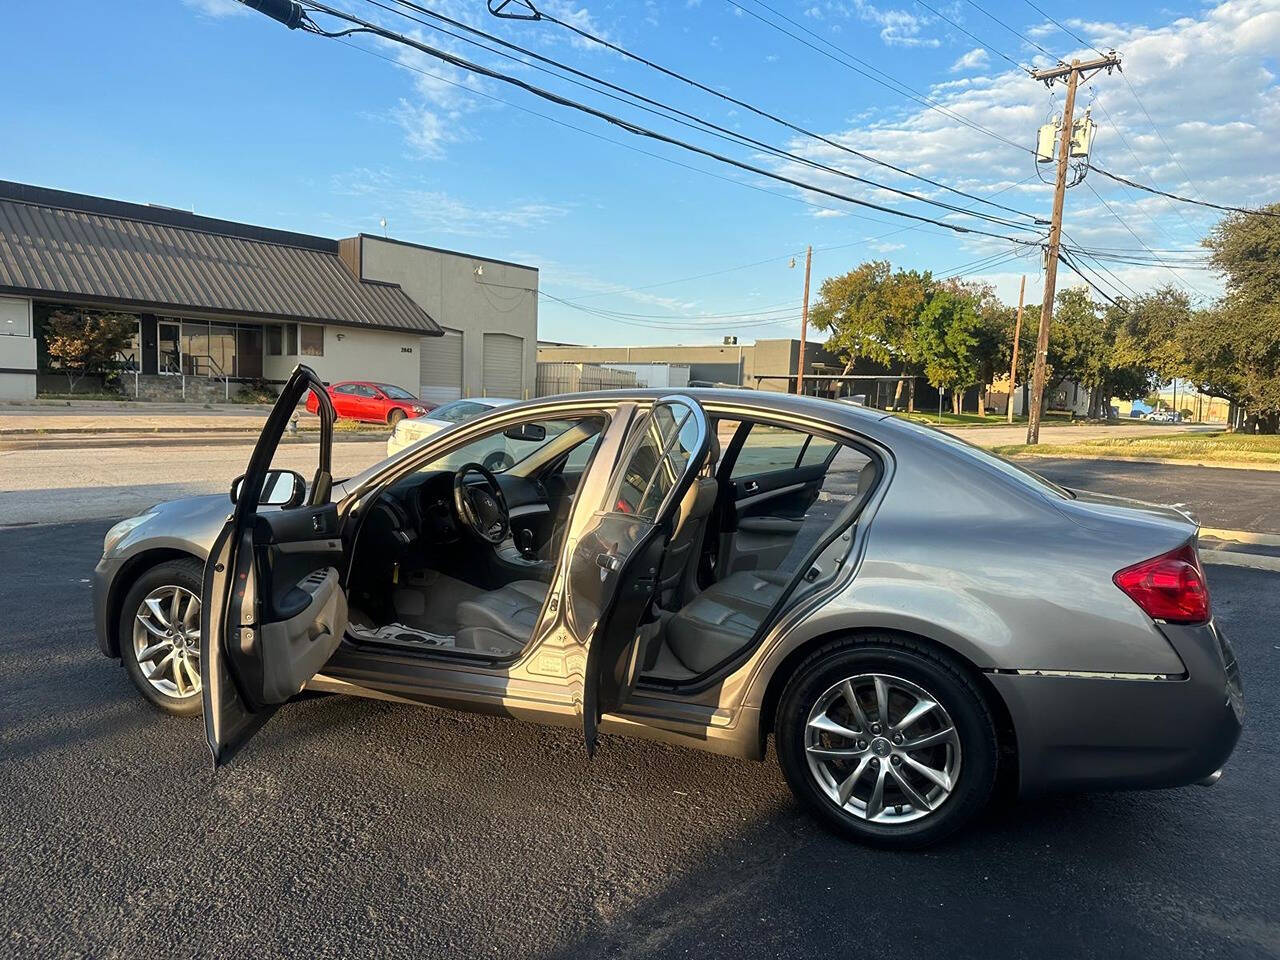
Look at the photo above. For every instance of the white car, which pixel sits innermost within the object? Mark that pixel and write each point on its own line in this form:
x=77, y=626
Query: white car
x=410, y=431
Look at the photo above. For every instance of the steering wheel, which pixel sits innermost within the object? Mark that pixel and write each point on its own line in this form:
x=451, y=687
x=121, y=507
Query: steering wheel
x=481, y=511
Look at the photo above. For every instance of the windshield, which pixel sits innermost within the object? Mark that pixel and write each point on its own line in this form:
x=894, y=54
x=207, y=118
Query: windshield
x=396, y=393
x=497, y=451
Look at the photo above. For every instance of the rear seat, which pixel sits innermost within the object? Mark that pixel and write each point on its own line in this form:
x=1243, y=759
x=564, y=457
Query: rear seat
x=718, y=621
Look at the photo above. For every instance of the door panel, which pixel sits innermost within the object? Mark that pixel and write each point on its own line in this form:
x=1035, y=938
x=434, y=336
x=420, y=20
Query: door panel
x=613, y=572
x=773, y=484
x=274, y=609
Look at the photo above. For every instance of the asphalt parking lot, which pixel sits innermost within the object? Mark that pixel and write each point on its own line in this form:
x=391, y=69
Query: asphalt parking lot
x=352, y=828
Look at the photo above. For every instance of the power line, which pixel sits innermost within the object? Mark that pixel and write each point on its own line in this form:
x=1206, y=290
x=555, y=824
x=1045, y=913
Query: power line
x=1136, y=159
x=981, y=43
x=656, y=156
x=870, y=71
x=1172, y=155
x=1173, y=196
x=1023, y=38
x=796, y=253
x=539, y=15
x=1124, y=223
x=464, y=64
x=647, y=104
x=598, y=136
x=1070, y=33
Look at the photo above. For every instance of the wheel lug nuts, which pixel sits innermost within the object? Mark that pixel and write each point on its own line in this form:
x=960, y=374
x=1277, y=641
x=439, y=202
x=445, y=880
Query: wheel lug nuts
x=897, y=761
x=897, y=738
x=875, y=728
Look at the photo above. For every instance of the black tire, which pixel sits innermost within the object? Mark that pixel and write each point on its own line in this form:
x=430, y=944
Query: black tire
x=949, y=686
x=395, y=416
x=186, y=573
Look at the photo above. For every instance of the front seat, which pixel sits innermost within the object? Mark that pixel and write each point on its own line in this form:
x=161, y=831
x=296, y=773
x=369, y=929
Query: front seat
x=501, y=621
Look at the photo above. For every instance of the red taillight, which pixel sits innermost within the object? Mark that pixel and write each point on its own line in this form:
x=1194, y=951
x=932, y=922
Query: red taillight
x=1169, y=587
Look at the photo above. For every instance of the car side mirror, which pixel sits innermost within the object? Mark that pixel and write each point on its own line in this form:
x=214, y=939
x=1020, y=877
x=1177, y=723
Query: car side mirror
x=282, y=488
x=530, y=432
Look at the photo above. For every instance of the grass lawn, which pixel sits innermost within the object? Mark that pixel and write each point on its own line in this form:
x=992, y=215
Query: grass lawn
x=973, y=420
x=1205, y=447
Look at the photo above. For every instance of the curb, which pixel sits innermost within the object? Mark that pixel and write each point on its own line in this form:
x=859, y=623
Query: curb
x=1242, y=536
x=1216, y=464
x=1233, y=558
x=173, y=440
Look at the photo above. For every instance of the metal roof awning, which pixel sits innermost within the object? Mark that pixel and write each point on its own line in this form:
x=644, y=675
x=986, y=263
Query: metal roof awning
x=125, y=255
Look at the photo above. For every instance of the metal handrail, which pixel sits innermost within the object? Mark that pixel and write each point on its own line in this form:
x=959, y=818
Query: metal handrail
x=129, y=364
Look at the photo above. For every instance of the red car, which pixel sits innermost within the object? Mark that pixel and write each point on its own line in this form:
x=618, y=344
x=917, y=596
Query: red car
x=372, y=402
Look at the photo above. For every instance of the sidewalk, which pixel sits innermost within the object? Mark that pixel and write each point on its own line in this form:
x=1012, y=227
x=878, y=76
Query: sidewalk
x=51, y=424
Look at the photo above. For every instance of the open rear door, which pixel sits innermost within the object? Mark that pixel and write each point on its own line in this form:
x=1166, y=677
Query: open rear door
x=273, y=611
x=613, y=574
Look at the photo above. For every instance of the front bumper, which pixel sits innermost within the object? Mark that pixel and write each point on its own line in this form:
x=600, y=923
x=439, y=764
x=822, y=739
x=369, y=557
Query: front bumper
x=1090, y=733
x=104, y=575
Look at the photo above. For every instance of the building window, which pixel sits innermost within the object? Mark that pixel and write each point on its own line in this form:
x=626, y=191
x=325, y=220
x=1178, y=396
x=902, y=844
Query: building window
x=275, y=340
x=311, y=339
x=15, y=318
x=291, y=338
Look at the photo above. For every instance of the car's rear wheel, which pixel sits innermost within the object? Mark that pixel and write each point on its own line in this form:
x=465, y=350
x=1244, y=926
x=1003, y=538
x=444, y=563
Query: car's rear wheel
x=395, y=416
x=890, y=743
x=160, y=635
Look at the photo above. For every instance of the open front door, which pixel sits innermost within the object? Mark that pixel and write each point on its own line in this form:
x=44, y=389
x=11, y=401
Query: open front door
x=614, y=570
x=274, y=611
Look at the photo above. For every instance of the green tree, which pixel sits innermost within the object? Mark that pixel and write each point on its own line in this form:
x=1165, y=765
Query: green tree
x=1233, y=350
x=870, y=313
x=84, y=342
x=948, y=335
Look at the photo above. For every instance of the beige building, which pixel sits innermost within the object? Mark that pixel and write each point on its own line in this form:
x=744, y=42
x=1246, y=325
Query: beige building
x=220, y=305
x=764, y=364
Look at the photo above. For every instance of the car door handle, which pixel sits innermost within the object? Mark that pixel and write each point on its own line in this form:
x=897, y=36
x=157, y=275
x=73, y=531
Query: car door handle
x=750, y=486
x=608, y=561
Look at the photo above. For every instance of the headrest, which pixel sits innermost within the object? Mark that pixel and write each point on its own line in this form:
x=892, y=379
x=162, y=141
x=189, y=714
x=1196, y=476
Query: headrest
x=866, y=477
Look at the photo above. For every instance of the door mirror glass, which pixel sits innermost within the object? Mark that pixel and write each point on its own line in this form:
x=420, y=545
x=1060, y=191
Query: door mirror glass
x=282, y=488
x=529, y=432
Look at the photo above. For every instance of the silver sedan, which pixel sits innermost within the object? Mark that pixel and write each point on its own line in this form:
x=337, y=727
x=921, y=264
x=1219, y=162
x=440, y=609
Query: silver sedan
x=909, y=618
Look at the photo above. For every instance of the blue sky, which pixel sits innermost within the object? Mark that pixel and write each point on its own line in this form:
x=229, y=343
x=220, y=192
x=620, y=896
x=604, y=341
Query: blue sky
x=201, y=105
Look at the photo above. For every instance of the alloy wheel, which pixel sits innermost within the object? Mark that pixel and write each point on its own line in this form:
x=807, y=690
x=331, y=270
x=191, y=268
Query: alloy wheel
x=166, y=641
x=882, y=749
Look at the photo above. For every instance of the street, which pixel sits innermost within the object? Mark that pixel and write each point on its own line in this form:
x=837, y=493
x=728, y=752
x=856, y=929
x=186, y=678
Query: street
x=83, y=481
x=352, y=828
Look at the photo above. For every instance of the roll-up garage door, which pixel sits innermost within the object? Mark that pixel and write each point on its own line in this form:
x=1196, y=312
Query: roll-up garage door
x=440, y=367
x=503, y=366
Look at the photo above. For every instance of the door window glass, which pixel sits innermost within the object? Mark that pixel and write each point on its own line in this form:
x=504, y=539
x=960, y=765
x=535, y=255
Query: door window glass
x=658, y=461
x=817, y=452
x=768, y=448
x=345, y=389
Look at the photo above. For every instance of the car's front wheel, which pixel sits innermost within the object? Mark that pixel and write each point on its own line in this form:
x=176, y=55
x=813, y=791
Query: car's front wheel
x=888, y=742
x=395, y=416
x=160, y=635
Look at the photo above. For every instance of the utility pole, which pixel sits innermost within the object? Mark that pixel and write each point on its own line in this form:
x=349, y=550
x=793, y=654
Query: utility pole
x=1017, y=333
x=804, y=321
x=1072, y=72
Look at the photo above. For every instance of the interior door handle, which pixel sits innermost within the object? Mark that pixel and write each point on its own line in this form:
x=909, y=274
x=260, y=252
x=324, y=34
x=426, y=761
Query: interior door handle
x=608, y=561
x=750, y=486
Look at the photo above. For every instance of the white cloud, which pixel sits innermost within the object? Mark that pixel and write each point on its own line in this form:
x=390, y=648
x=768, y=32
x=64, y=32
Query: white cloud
x=417, y=210
x=824, y=212
x=217, y=8
x=975, y=59
x=1207, y=84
